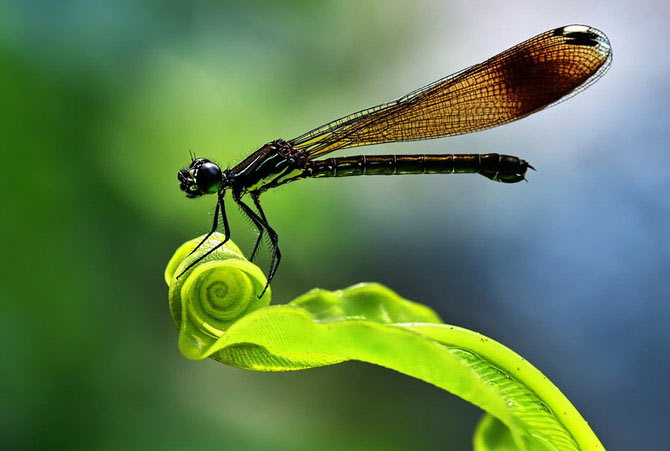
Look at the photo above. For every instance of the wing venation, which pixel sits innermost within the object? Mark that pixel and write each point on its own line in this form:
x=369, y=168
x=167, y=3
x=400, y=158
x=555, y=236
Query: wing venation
x=526, y=78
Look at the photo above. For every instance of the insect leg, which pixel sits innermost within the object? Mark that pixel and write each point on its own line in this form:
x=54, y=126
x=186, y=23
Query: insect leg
x=224, y=217
x=275, y=247
x=274, y=239
x=260, y=228
x=215, y=224
x=276, y=253
x=226, y=228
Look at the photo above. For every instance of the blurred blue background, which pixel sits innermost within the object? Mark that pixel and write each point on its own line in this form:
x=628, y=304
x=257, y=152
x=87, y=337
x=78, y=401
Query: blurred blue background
x=101, y=102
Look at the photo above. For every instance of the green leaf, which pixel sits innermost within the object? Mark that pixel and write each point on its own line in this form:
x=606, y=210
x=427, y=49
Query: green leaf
x=216, y=307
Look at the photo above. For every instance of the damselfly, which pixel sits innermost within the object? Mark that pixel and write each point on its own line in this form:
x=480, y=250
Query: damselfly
x=528, y=77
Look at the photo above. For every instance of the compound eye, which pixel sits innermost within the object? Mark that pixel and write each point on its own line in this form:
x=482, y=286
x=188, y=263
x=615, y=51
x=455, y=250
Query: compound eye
x=208, y=178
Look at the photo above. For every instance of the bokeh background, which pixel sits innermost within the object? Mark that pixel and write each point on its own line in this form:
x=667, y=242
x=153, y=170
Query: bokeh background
x=100, y=103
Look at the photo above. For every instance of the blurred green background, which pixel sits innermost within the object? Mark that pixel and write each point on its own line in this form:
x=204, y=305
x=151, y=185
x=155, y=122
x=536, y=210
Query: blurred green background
x=100, y=104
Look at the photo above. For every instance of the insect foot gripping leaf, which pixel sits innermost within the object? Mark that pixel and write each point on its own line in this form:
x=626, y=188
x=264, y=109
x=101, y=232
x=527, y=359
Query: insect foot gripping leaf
x=216, y=308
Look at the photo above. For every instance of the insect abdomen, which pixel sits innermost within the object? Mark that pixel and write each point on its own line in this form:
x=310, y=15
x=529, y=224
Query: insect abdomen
x=501, y=168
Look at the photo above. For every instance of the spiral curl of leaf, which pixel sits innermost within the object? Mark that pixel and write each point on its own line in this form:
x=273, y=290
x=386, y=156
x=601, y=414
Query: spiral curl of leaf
x=208, y=298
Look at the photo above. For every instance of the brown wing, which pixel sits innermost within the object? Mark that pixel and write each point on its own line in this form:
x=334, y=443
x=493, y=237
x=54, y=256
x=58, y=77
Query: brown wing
x=530, y=76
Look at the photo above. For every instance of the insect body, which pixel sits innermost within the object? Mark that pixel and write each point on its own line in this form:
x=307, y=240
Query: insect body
x=528, y=77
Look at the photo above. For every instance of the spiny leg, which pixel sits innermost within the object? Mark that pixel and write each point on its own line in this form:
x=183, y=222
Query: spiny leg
x=258, y=226
x=274, y=239
x=226, y=231
x=224, y=217
x=215, y=225
x=275, y=247
x=276, y=253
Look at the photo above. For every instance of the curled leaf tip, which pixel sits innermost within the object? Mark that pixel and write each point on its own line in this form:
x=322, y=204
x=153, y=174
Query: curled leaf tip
x=208, y=298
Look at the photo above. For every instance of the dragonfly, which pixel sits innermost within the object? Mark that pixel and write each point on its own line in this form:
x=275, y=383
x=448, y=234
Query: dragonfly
x=522, y=80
